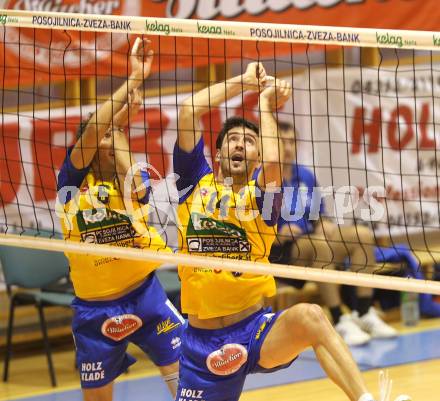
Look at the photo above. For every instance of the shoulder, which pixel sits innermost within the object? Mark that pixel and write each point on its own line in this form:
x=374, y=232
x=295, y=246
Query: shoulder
x=303, y=173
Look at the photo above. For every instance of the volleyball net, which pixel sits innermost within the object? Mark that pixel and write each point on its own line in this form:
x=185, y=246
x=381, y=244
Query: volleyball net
x=364, y=111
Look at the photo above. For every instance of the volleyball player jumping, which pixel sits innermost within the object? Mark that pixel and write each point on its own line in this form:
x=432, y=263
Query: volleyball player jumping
x=117, y=301
x=231, y=215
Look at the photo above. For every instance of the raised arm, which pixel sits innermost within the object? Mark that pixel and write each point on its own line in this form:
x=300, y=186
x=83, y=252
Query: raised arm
x=195, y=106
x=271, y=98
x=111, y=112
x=123, y=156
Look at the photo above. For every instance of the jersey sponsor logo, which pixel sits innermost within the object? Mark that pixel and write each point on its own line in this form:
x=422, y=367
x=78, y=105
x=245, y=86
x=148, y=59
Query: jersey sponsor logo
x=200, y=224
x=176, y=342
x=218, y=245
x=194, y=244
x=204, y=270
x=89, y=238
x=207, y=235
x=103, y=193
x=244, y=246
x=108, y=235
x=91, y=216
x=166, y=326
x=92, y=371
x=89, y=219
x=227, y=360
x=119, y=327
x=268, y=317
x=188, y=394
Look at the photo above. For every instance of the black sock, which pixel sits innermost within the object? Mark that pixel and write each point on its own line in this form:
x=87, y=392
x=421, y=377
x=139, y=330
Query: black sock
x=336, y=314
x=363, y=305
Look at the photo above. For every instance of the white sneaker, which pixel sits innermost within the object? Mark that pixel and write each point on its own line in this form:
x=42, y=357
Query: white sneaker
x=374, y=325
x=350, y=331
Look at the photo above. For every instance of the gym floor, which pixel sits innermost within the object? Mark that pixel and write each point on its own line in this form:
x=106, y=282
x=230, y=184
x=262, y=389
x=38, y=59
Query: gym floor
x=412, y=359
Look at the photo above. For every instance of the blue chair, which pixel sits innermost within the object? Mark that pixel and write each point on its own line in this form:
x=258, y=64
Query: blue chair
x=32, y=271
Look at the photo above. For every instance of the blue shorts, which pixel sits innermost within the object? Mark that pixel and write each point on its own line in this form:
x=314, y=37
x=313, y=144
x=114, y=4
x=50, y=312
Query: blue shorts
x=214, y=363
x=103, y=329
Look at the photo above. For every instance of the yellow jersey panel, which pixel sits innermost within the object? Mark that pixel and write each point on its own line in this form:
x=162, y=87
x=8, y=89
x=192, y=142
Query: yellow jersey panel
x=215, y=221
x=97, y=214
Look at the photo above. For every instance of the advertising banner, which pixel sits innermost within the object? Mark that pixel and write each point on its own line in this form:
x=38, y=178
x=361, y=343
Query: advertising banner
x=376, y=136
x=31, y=56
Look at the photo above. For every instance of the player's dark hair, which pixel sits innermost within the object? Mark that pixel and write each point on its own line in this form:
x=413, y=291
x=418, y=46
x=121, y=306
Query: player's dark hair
x=233, y=122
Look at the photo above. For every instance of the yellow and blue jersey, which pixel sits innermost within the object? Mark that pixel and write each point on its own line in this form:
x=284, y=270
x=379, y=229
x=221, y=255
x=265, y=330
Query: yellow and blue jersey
x=216, y=221
x=94, y=211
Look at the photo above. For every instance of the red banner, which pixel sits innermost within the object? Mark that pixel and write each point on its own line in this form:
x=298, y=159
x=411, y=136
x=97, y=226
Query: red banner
x=33, y=56
x=388, y=14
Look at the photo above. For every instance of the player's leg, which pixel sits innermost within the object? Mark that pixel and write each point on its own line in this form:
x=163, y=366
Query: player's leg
x=162, y=330
x=305, y=325
x=212, y=364
x=104, y=393
x=101, y=354
x=170, y=375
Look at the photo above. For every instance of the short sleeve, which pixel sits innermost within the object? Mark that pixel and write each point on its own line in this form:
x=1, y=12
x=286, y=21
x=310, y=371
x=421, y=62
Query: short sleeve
x=69, y=180
x=190, y=168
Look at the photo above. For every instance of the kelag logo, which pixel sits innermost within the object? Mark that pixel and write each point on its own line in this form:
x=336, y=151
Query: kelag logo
x=3, y=18
x=387, y=39
x=209, y=29
x=157, y=27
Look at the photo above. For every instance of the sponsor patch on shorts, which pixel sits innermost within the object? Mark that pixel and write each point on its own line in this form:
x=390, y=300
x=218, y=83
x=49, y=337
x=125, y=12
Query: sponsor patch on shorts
x=227, y=360
x=119, y=327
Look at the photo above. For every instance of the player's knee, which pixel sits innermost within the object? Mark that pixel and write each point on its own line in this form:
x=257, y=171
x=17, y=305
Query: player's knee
x=307, y=318
x=315, y=322
x=315, y=314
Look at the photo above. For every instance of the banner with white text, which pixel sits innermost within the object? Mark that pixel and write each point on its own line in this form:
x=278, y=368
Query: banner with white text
x=376, y=133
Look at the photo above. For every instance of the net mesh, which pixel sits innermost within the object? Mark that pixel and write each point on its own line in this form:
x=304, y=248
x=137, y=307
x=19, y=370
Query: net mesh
x=364, y=154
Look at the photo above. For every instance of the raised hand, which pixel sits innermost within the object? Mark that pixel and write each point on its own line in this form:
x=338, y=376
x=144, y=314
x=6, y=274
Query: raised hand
x=255, y=77
x=141, y=58
x=275, y=94
x=130, y=109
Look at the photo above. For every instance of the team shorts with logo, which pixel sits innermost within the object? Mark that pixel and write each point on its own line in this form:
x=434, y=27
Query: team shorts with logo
x=214, y=363
x=102, y=331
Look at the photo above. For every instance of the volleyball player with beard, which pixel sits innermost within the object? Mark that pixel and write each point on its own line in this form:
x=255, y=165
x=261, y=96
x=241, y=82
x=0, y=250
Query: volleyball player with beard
x=230, y=214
